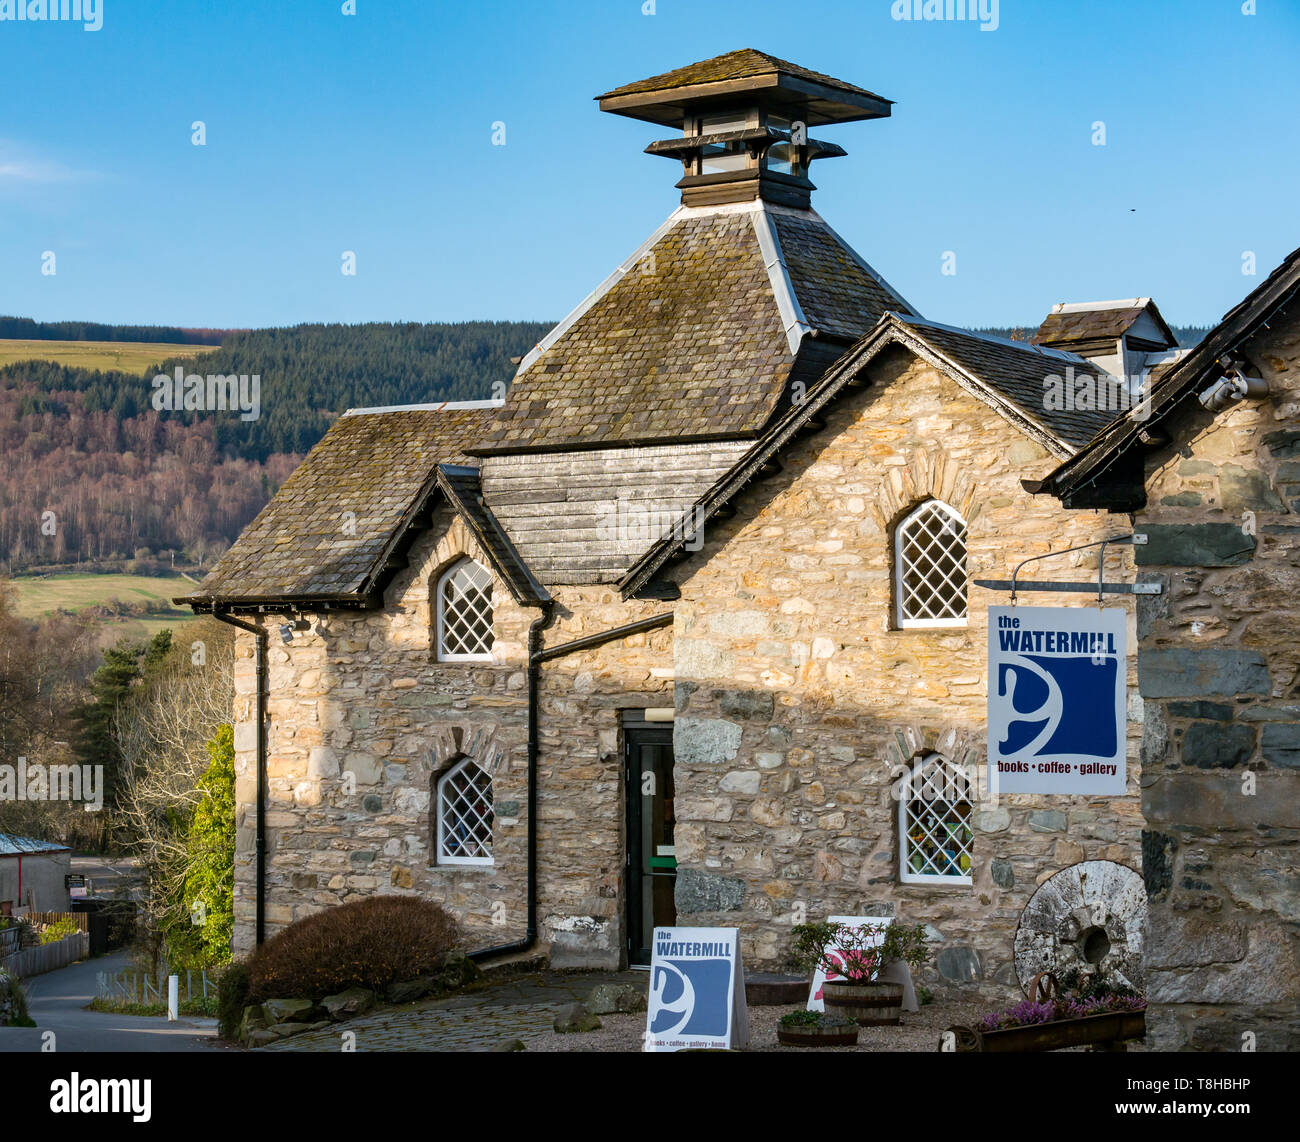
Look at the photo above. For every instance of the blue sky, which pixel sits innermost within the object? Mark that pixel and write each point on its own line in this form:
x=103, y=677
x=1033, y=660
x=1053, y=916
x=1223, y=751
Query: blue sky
x=373, y=133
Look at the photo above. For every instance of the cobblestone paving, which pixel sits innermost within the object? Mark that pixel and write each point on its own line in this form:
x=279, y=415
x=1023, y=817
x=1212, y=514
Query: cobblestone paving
x=479, y=1020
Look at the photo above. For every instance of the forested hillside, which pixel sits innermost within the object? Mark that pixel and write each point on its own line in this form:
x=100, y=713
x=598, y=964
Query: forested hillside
x=25, y=329
x=126, y=482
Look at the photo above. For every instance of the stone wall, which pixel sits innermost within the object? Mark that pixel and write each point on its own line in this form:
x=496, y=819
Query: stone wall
x=1219, y=671
x=364, y=720
x=798, y=700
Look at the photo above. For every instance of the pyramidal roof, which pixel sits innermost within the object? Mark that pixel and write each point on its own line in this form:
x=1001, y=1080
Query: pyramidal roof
x=697, y=335
x=745, y=63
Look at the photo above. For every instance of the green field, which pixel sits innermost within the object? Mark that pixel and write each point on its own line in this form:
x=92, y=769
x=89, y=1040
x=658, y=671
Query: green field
x=40, y=594
x=125, y=356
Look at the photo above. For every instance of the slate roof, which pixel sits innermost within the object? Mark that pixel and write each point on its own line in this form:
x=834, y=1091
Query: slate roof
x=745, y=63
x=1172, y=388
x=1018, y=371
x=463, y=490
x=694, y=337
x=838, y=292
x=1008, y=375
x=12, y=845
x=380, y=465
x=1105, y=321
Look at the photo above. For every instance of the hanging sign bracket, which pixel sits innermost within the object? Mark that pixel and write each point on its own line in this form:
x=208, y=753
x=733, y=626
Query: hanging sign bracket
x=1100, y=587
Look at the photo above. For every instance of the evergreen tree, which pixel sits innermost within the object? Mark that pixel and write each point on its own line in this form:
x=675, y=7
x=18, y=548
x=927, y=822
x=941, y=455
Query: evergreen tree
x=209, y=890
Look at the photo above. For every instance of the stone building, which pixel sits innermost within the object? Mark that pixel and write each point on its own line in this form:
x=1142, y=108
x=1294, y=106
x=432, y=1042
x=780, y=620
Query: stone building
x=1212, y=480
x=684, y=628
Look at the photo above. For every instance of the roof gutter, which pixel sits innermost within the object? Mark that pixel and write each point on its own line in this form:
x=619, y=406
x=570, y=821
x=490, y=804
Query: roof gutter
x=536, y=656
x=260, y=876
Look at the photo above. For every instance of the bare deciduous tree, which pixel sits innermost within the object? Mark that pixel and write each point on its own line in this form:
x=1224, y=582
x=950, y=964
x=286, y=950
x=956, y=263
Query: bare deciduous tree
x=163, y=733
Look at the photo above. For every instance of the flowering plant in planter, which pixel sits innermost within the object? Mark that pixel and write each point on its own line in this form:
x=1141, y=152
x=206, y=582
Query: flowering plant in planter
x=1029, y=1013
x=1083, y=994
x=857, y=953
x=852, y=956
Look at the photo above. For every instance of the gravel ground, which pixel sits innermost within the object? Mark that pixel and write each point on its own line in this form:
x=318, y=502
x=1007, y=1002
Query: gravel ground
x=919, y=1031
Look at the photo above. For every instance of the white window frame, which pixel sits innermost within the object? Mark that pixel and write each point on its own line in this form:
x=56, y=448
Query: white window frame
x=443, y=857
x=904, y=621
x=916, y=770
x=440, y=625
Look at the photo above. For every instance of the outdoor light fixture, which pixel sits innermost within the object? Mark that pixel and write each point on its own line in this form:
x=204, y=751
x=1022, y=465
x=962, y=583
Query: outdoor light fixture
x=1232, y=388
x=287, y=629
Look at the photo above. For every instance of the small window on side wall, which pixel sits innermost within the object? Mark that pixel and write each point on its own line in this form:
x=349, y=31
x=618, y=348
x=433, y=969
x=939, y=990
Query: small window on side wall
x=464, y=625
x=930, y=567
x=935, y=839
x=465, y=815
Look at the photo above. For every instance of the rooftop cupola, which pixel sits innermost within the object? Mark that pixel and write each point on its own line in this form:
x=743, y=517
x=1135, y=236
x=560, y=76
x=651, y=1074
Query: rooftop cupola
x=744, y=118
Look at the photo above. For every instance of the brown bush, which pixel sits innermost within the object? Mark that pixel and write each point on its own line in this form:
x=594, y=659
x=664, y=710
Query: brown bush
x=367, y=943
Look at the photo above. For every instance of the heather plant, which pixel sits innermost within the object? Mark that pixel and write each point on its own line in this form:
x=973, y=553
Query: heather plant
x=1029, y=1013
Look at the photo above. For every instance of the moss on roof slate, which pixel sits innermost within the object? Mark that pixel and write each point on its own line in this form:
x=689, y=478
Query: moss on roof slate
x=690, y=344
x=745, y=63
x=837, y=294
x=325, y=532
x=1087, y=325
x=687, y=344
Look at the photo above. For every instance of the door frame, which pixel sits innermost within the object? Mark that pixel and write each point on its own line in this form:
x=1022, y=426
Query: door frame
x=636, y=728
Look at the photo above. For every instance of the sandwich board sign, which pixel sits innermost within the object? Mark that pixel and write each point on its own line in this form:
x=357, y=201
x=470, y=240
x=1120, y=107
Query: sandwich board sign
x=815, y=1000
x=1057, y=689
x=697, y=990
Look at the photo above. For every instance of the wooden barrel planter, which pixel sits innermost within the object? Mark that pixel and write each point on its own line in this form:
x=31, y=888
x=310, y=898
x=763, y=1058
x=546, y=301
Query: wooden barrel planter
x=830, y=1032
x=867, y=1004
x=1105, y=1032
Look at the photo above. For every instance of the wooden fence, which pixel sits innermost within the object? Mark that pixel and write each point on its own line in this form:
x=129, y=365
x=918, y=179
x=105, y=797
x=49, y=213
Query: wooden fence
x=40, y=919
x=34, y=961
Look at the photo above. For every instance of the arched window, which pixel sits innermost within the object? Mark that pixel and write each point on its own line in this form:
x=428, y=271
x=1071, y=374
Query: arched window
x=465, y=613
x=464, y=808
x=935, y=840
x=930, y=567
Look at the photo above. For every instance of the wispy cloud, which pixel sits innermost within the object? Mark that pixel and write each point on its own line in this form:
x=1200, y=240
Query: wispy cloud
x=19, y=165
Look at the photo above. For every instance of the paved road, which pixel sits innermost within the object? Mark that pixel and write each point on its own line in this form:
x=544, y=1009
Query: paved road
x=56, y=1000
x=109, y=876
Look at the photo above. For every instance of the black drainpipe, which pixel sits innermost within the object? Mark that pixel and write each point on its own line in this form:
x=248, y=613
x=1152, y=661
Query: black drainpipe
x=535, y=629
x=536, y=656
x=260, y=633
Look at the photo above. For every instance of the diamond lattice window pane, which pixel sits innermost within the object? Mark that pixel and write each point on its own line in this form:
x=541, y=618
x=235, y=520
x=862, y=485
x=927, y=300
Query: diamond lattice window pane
x=932, y=566
x=465, y=612
x=935, y=823
x=465, y=816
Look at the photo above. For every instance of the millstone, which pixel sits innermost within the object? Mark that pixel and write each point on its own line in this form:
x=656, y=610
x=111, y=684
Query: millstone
x=1088, y=916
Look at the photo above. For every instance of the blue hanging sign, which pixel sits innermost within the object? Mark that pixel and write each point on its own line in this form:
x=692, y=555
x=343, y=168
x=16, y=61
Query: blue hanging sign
x=1057, y=689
